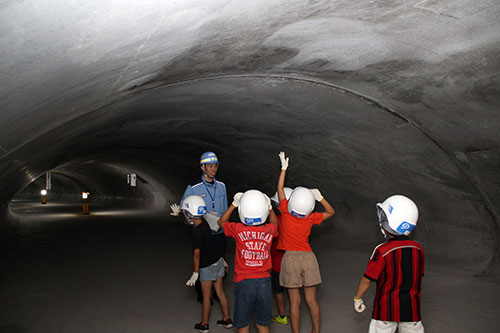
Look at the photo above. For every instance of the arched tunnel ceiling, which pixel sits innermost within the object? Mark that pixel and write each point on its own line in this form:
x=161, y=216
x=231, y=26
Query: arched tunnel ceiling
x=368, y=98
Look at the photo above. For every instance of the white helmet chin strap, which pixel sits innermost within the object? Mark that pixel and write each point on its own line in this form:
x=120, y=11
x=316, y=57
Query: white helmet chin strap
x=384, y=233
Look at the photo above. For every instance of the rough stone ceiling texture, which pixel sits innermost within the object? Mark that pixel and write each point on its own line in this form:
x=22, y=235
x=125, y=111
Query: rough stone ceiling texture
x=369, y=98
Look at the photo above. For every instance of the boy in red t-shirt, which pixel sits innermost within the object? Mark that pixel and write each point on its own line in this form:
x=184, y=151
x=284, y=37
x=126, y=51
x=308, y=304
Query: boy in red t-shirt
x=299, y=267
x=252, y=260
x=276, y=257
x=397, y=267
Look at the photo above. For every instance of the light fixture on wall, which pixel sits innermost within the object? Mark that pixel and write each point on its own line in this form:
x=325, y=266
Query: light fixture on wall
x=85, y=196
x=43, y=194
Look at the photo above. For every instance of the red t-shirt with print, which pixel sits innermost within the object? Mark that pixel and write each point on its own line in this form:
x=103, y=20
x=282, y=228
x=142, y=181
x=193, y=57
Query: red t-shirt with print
x=294, y=231
x=277, y=255
x=252, y=259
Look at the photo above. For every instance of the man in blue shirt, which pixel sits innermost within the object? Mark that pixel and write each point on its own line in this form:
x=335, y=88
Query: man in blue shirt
x=214, y=194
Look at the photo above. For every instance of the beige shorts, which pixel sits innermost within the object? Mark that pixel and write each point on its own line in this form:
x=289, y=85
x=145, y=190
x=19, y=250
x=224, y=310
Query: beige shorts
x=299, y=269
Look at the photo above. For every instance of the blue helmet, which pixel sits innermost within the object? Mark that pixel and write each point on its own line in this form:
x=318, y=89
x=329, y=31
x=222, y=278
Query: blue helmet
x=209, y=158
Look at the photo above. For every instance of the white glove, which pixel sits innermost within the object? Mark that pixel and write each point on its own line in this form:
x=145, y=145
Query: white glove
x=269, y=206
x=317, y=194
x=212, y=219
x=359, y=305
x=175, y=210
x=192, y=280
x=284, y=160
x=236, y=199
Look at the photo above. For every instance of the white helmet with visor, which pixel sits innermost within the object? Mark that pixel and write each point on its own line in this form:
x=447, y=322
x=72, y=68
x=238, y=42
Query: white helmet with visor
x=398, y=215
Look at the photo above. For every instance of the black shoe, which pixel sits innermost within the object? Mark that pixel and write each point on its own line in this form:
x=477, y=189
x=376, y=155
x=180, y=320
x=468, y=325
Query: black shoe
x=228, y=323
x=202, y=327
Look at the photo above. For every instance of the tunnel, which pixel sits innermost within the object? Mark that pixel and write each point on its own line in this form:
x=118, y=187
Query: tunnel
x=367, y=98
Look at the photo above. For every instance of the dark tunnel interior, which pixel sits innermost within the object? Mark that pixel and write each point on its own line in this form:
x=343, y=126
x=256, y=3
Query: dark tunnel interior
x=368, y=99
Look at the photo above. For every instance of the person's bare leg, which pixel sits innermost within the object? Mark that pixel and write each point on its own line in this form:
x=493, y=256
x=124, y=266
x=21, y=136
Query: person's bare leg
x=206, y=289
x=224, y=304
x=280, y=303
x=262, y=329
x=294, y=295
x=245, y=329
x=313, y=305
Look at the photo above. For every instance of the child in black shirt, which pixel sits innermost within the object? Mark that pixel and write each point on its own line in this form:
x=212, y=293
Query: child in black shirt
x=208, y=265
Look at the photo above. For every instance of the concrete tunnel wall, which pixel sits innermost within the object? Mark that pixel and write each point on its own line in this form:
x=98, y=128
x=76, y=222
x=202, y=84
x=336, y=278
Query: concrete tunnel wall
x=248, y=80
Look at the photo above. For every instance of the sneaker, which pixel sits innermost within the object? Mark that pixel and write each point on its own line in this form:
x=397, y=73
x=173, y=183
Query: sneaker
x=228, y=323
x=280, y=320
x=202, y=327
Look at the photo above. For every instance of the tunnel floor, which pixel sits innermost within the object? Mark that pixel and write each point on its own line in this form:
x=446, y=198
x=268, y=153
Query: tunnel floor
x=125, y=271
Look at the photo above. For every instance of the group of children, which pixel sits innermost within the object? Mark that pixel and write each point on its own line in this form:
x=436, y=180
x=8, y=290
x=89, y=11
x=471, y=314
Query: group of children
x=273, y=253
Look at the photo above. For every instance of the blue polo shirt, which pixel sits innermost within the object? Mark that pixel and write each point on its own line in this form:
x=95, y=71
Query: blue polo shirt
x=214, y=194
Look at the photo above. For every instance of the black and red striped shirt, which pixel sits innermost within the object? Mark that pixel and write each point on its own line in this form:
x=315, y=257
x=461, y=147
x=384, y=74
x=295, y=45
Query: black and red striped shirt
x=397, y=266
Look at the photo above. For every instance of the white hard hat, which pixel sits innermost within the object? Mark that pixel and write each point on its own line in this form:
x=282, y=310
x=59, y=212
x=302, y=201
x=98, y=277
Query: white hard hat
x=253, y=208
x=398, y=215
x=301, y=202
x=194, y=206
x=287, y=190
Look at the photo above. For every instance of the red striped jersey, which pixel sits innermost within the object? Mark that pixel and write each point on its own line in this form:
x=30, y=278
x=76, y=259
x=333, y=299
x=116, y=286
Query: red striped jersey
x=397, y=266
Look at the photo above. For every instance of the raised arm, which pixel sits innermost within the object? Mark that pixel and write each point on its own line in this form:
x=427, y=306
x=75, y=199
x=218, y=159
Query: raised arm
x=281, y=179
x=225, y=217
x=329, y=211
x=227, y=214
x=272, y=217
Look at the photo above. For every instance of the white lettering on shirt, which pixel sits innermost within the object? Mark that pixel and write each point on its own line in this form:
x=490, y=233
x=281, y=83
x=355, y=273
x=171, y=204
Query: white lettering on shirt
x=257, y=244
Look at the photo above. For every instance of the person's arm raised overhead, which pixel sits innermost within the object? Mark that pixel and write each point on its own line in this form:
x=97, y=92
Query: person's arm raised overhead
x=329, y=211
x=227, y=214
x=272, y=216
x=281, y=180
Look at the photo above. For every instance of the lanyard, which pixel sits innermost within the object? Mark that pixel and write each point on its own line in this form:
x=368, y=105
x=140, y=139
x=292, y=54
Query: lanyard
x=208, y=191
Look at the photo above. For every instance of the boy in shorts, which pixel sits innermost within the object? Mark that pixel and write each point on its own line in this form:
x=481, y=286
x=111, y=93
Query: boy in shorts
x=397, y=267
x=252, y=260
x=299, y=267
x=208, y=265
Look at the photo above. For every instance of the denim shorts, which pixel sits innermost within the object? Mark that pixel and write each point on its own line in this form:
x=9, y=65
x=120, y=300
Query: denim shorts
x=275, y=282
x=252, y=296
x=213, y=272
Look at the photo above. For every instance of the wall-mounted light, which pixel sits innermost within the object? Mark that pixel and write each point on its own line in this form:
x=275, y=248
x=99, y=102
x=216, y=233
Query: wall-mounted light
x=85, y=196
x=43, y=193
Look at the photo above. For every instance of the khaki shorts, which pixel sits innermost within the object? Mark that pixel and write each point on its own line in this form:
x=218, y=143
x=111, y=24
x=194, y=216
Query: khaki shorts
x=299, y=269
